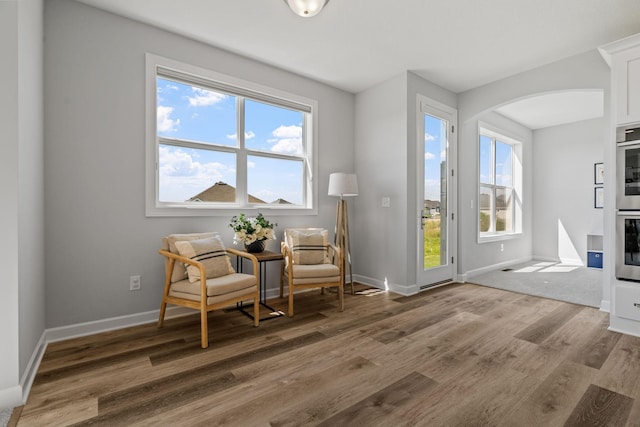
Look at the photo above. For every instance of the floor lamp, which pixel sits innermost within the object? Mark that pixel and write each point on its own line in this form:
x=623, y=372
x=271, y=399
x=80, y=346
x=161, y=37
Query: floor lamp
x=343, y=185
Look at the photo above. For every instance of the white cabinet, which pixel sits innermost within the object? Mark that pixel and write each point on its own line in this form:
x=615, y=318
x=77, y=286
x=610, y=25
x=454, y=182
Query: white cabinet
x=626, y=65
x=628, y=301
x=624, y=58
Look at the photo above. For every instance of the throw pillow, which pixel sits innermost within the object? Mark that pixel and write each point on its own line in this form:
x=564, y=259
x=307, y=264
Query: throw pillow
x=308, y=246
x=210, y=252
x=179, y=271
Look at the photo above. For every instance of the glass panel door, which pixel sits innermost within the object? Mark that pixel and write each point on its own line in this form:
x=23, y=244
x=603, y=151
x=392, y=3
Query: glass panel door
x=436, y=189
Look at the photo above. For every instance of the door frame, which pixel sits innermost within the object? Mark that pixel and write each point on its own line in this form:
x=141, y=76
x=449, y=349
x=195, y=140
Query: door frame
x=434, y=276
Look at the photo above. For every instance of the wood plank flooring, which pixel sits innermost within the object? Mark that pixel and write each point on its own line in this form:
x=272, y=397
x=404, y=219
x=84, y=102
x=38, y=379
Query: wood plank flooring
x=457, y=355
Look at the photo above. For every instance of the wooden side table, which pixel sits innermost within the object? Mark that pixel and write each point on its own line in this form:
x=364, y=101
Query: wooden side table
x=262, y=257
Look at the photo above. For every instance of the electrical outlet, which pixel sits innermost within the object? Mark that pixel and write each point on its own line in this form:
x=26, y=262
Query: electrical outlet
x=386, y=202
x=501, y=247
x=134, y=283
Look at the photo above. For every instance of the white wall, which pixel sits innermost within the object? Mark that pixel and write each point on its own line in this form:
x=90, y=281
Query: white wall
x=563, y=205
x=584, y=71
x=97, y=234
x=21, y=173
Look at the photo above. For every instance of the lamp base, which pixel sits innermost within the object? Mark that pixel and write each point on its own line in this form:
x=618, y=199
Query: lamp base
x=342, y=240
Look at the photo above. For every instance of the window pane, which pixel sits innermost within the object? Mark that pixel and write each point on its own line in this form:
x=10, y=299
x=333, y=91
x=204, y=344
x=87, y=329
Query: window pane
x=194, y=113
x=435, y=192
x=486, y=174
x=486, y=204
x=504, y=210
x=271, y=128
x=275, y=181
x=187, y=174
x=504, y=164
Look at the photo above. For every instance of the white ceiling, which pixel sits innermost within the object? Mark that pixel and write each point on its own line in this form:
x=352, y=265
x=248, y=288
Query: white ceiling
x=555, y=108
x=356, y=44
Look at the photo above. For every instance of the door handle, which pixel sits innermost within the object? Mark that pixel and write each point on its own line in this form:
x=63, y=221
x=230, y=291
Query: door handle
x=422, y=218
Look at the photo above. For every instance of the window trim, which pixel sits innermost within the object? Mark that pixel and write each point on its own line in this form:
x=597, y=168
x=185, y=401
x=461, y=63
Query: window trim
x=516, y=142
x=239, y=87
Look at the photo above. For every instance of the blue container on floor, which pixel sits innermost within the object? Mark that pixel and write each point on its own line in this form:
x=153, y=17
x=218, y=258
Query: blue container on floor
x=594, y=259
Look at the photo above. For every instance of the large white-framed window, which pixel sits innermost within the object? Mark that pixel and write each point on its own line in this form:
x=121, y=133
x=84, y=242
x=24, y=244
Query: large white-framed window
x=500, y=185
x=217, y=144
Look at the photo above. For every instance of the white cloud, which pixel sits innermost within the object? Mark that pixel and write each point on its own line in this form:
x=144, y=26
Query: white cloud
x=432, y=189
x=292, y=131
x=429, y=137
x=429, y=156
x=288, y=139
x=183, y=176
x=164, y=122
x=204, y=97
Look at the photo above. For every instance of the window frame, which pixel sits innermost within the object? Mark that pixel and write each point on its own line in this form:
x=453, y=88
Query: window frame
x=157, y=66
x=516, y=187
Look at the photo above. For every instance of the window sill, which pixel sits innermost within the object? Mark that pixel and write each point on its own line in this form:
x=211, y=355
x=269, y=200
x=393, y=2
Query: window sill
x=225, y=212
x=498, y=237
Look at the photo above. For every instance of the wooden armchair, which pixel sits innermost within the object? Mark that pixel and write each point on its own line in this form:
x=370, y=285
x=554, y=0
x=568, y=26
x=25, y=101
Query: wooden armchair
x=310, y=261
x=190, y=257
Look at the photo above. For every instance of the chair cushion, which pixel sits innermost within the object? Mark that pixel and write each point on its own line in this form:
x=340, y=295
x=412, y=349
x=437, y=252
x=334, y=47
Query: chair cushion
x=308, y=246
x=234, y=286
x=210, y=252
x=317, y=270
x=222, y=285
x=169, y=244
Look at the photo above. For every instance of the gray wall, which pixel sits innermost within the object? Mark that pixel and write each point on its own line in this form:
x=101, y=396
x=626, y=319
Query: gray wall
x=385, y=239
x=97, y=234
x=9, y=310
x=563, y=209
x=22, y=307
x=477, y=257
x=379, y=235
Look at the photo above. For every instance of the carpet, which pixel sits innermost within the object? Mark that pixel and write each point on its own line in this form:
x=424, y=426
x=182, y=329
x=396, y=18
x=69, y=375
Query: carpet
x=563, y=282
x=5, y=416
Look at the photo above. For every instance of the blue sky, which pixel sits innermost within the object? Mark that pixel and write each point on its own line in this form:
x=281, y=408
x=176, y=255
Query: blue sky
x=503, y=160
x=434, y=154
x=190, y=113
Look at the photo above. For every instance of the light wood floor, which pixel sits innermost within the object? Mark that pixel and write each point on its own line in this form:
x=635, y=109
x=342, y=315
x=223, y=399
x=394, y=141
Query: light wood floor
x=457, y=355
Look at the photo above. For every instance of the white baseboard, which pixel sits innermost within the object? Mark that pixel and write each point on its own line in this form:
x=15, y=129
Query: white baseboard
x=32, y=367
x=545, y=258
x=624, y=331
x=17, y=395
x=501, y=265
x=624, y=326
x=104, y=325
x=386, y=285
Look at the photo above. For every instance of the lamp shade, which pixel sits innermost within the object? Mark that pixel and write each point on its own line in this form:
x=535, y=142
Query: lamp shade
x=306, y=8
x=343, y=184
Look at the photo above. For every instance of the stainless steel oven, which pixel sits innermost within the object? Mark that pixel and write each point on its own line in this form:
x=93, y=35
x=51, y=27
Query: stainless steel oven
x=628, y=246
x=628, y=170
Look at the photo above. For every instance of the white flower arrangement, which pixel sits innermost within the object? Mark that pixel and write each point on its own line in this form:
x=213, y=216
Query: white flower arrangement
x=250, y=229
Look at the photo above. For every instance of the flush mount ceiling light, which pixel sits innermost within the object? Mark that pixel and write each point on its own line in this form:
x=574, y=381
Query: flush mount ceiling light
x=306, y=8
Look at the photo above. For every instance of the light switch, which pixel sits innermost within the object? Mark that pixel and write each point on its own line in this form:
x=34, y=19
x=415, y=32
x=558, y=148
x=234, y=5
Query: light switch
x=386, y=202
